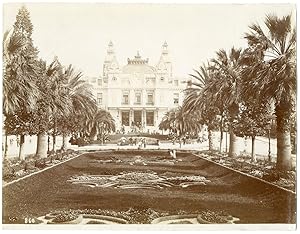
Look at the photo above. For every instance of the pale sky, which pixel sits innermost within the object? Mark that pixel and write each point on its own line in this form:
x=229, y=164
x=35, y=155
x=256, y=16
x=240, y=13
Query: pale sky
x=79, y=33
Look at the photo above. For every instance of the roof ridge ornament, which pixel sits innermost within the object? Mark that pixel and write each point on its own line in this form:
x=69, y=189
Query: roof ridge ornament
x=110, y=49
x=137, y=59
x=165, y=48
x=137, y=55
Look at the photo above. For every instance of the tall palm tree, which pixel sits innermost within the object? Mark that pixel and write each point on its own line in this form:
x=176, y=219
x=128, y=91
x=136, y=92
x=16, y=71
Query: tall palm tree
x=200, y=100
x=49, y=102
x=19, y=89
x=80, y=101
x=271, y=75
x=227, y=67
x=10, y=45
x=58, y=86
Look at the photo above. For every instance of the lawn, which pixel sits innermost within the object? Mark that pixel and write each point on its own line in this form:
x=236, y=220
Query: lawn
x=142, y=186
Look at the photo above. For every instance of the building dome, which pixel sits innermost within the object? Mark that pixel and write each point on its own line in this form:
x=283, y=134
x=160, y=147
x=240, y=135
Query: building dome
x=138, y=68
x=138, y=65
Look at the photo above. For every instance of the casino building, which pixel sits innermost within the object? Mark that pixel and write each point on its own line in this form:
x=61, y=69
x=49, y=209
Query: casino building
x=138, y=94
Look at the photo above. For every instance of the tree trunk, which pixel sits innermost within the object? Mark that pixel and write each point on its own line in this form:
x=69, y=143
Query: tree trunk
x=5, y=145
x=233, y=150
x=65, y=142
x=54, y=137
x=221, y=133
x=212, y=144
x=48, y=143
x=233, y=112
x=41, y=151
x=21, y=148
x=284, y=157
x=226, y=142
x=54, y=143
x=253, y=155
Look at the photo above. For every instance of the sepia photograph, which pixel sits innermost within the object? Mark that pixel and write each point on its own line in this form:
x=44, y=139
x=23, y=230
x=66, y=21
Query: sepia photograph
x=157, y=115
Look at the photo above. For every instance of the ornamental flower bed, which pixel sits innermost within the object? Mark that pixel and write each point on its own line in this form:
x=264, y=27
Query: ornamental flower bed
x=138, y=179
x=15, y=169
x=135, y=216
x=261, y=168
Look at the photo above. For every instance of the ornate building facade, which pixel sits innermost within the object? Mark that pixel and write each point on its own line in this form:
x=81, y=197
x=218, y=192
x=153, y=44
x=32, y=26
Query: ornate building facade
x=137, y=95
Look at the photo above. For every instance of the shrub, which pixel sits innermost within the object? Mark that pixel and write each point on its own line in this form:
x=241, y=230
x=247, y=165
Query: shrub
x=40, y=163
x=65, y=216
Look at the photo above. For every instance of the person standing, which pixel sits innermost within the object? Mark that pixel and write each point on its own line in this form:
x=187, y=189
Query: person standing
x=173, y=153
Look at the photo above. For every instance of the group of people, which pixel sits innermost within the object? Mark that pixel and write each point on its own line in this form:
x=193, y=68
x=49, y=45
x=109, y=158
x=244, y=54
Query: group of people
x=140, y=142
x=181, y=140
x=202, y=136
x=134, y=127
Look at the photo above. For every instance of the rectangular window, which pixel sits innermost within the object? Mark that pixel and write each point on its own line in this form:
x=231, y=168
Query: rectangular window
x=150, y=118
x=105, y=80
x=125, y=118
x=125, y=98
x=138, y=98
x=100, y=82
x=176, y=98
x=176, y=82
x=99, y=98
x=150, y=98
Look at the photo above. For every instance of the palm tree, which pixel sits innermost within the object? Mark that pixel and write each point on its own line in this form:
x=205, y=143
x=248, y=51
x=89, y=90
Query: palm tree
x=200, y=101
x=272, y=75
x=164, y=124
x=50, y=102
x=58, y=87
x=11, y=44
x=167, y=121
x=180, y=122
x=186, y=122
x=19, y=89
x=101, y=125
x=227, y=68
x=80, y=101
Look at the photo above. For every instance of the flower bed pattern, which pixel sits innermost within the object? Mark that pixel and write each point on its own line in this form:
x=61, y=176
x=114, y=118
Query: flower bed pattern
x=133, y=216
x=261, y=169
x=133, y=180
x=13, y=170
x=138, y=160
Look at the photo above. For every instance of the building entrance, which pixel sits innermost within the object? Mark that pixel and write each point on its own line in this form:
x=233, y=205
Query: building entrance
x=137, y=118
